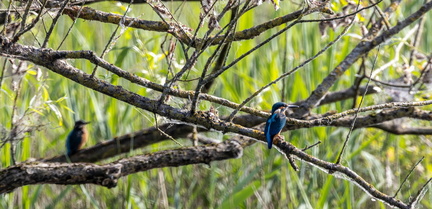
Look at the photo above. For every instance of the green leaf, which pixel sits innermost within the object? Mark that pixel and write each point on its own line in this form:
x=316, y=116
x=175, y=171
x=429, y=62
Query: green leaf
x=56, y=112
x=239, y=197
x=121, y=57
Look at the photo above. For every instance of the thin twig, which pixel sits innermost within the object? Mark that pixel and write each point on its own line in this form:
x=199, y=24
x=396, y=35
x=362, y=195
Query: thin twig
x=28, y=27
x=2, y=72
x=13, y=133
x=310, y=146
x=163, y=132
x=70, y=28
x=111, y=39
x=221, y=47
x=356, y=114
x=54, y=23
x=26, y=12
x=416, y=39
x=291, y=71
x=358, y=80
x=408, y=175
x=8, y=11
x=284, y=91
x=362, y=48
x=420, y=194
x=424, y=72
x=383, y=16
x=342, y=17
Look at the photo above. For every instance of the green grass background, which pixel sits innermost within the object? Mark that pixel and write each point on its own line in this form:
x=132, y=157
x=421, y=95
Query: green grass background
x=261, y=178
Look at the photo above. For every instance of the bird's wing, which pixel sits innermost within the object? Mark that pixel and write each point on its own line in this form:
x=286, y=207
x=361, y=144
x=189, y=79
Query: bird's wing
x=68, y=143
x=268, y=131
x=277, y=125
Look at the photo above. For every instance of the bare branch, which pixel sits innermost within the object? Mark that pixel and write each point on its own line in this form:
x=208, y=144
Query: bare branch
x=53, y=24
x=338, y=160
x=342, y=172
x=87, y=13
x=311, y=146
x=407, y=176
x=349, y=93
x=108, y=174
x=160, y=26
x=398, y=130
x=184, y=123
x=420, y=194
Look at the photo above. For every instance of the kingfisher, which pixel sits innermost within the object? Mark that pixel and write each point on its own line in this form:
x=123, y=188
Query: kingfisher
x=77, y=137
x=276, y=122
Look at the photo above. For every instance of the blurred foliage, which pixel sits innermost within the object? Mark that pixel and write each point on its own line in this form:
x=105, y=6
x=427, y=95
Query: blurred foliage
x=261, y=178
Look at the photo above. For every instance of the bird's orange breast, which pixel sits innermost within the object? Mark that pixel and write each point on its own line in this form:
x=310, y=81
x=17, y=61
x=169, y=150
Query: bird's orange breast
x=84, y=138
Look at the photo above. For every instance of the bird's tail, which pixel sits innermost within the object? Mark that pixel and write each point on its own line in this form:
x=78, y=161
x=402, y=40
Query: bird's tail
x=269, y=142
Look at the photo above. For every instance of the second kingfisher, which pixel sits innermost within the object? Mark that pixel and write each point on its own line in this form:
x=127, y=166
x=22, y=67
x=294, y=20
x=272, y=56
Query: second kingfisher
x=276, y=122
x=77, y=137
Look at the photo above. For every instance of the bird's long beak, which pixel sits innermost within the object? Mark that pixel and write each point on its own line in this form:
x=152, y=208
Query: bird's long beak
x=86, y=122
x=284, y=109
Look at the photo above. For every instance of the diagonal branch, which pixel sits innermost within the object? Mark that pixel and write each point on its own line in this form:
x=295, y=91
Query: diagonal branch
x=48, y=58
x=361, y=49
x=342, y=172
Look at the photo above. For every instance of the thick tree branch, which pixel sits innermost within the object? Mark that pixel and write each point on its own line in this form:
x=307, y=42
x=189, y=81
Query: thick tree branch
x=57, y=173
x=160, y=26
x=126, y=143
x=87, y=13
x=81, y=2
x=107, y=175
x=123, y=144
x=341, y=119
x=345, y=94
x=58, y=3
x=395, y=128
x=49, y=59
x=52, y=172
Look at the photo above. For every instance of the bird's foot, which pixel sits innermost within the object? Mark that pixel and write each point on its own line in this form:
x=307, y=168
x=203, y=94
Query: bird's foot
x=278, y=139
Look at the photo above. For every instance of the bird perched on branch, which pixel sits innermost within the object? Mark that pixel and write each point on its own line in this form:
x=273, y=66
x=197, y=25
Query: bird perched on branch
x=77, y=137
x=276, y=121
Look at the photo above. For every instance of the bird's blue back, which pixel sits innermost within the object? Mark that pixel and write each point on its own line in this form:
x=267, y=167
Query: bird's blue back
x=74, y=140
x=275, y=123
